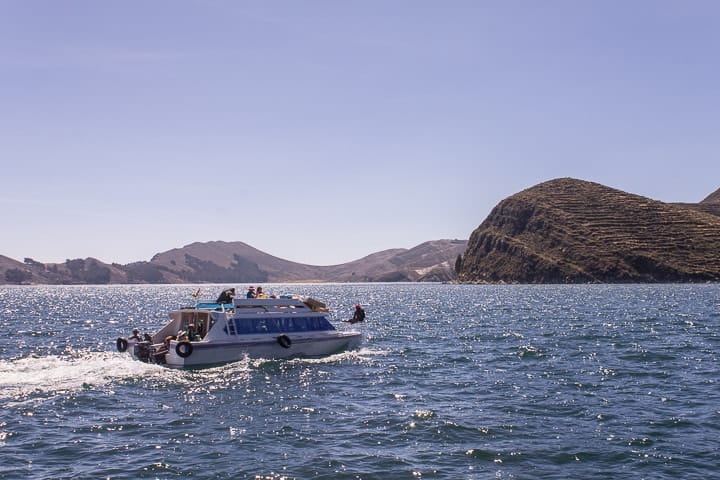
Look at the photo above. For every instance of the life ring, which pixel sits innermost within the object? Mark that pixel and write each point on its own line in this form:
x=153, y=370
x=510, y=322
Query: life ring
x=121, y=344
x=284, y=341
x=184, y=349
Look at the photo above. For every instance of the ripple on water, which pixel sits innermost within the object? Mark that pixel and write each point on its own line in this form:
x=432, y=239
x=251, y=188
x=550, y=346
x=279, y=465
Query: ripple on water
x=453, y=381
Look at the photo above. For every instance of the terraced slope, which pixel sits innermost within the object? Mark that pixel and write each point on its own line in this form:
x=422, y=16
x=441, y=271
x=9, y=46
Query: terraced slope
x=573, y=231
x=713, y=198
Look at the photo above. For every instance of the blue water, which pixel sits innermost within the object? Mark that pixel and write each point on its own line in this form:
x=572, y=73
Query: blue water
x=452, y=382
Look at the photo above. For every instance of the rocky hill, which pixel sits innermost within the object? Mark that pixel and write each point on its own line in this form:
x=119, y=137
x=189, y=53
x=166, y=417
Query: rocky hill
x=573, y=231
x=237, y=262
x=711, y=204
x=77, y=271
x=713, y=198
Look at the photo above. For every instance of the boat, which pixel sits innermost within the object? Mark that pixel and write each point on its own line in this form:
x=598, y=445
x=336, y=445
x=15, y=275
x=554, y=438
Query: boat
x=211, y=333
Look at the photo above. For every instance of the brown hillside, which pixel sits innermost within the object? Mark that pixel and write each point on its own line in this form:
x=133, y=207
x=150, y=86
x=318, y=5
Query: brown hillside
x=713, y=197
x=229, y=262
x=237, y=262
x=711, y=204
x=429, y=261
x=77, y=271
x=571, y=231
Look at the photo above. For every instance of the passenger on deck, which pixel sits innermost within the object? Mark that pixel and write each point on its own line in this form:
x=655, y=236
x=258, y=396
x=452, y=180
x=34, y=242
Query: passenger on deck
x=250, y=292
x=136, y=335
x=359, y=315
x=259, y=293
x=192, y=333
x=226, y=296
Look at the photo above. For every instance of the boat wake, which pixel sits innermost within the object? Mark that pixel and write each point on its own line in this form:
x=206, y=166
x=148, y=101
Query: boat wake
x=361, y=355
x=39, y=378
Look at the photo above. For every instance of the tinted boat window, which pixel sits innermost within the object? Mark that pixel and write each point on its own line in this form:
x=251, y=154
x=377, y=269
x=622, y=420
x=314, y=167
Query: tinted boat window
x=300, y=324
x=278, y=325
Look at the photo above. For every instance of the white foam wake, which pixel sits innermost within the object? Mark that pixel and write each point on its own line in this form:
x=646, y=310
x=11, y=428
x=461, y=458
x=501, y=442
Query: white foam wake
x=362, y=355
x=43, y=375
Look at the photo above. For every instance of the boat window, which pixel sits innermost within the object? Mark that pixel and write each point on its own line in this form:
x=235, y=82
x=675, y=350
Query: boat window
x=278, y=325
x=242, y=326
x=322, y=324
x=285, y=324
x=260, y=325
x=300, y=324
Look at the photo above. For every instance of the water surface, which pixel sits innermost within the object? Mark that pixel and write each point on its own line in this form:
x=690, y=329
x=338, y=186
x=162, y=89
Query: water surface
x=452, y=381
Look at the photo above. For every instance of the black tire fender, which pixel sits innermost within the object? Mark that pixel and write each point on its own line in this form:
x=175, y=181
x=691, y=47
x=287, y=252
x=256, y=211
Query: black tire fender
x=284, y=341
x=121, y=344
x=184, y=349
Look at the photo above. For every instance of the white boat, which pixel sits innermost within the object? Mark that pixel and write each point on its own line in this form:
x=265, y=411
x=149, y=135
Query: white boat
x=210, y=333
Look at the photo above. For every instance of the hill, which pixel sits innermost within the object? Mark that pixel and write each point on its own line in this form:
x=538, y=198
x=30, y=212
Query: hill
x=238, y=262
x=713, y=198
x=573, y=231
x=77, y=271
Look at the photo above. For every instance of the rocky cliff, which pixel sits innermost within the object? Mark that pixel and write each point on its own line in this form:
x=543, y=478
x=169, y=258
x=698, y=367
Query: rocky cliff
x=573, y=231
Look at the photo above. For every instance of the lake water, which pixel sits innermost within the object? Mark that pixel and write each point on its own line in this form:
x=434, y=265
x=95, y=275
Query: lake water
x=452, y=382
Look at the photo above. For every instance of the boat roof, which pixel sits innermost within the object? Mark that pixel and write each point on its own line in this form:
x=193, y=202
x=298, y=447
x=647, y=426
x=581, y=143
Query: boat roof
x=242, y=303
x=270, y=304
x=209, y=305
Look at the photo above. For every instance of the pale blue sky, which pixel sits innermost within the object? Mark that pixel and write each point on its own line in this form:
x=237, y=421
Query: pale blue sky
x=323, y=131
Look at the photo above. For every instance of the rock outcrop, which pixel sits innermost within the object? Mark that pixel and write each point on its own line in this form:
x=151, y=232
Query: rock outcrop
x=573, y=231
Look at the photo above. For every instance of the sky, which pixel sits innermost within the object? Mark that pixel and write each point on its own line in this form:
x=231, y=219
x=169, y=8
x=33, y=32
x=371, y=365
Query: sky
x=323, y=131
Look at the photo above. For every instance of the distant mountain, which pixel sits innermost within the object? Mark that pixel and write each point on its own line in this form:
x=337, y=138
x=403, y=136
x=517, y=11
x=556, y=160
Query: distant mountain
x=238, y=262
x=711, y=204
x=78, y=271
x=573, y=231
x=713, y=197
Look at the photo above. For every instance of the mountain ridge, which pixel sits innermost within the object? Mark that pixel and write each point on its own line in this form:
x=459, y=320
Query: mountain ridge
x=233, y=262
x=560, y=231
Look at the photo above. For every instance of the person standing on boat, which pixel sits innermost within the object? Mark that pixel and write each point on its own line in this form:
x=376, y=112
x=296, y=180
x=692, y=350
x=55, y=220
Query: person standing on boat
x=226, y=296
x=259, y=293
x=192, y=333
x=135, y=336
x=250, y=292
x=359, y=315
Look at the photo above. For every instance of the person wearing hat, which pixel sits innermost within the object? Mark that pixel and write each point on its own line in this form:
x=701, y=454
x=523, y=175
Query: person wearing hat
x=251, y=292
x=136, y=335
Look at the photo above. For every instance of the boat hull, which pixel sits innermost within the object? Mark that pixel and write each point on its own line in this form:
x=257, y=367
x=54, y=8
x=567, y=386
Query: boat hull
x=261, y=346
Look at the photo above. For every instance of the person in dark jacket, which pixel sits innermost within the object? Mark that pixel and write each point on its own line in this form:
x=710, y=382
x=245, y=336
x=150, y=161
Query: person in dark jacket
x=359, y=315
x=226, y=296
